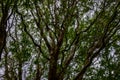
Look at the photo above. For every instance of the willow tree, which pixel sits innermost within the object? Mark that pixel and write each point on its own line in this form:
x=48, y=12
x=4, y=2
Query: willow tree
x=67, y=35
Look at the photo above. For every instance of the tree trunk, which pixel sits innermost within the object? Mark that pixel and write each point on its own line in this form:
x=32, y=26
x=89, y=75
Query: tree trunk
x=53, y=66
x=3, y=25
x=20, y=71
x=38, y=72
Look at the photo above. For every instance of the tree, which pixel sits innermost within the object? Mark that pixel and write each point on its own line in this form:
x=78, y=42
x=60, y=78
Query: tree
x=60, y=39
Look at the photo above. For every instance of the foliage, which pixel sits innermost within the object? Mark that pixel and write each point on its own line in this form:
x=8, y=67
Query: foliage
x=60, y=39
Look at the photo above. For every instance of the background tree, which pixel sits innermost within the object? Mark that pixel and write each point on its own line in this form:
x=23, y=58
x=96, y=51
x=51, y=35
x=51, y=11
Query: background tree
x=61, y=40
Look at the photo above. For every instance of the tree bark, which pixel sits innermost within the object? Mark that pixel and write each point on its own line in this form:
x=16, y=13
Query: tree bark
x=3, y=25
x=20, y=71
x=52, y=75
x=38, y=73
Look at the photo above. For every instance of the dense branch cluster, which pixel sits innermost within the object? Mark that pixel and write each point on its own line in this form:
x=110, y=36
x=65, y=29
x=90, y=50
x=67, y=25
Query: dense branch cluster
x=56, y=39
